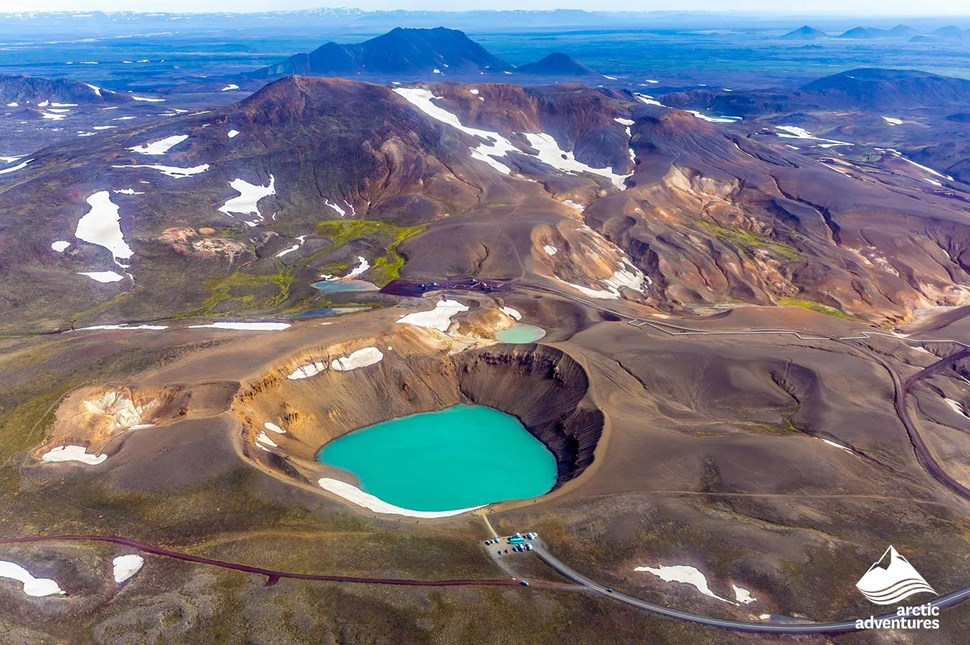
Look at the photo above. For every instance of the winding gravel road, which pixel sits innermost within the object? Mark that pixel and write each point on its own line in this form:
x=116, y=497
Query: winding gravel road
x=849, y=625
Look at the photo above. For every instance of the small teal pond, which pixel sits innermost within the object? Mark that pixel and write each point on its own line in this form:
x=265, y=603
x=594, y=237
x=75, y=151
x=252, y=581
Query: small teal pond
x=344, y=286
x=327, y=311
x=456, y=458
x=520, y=333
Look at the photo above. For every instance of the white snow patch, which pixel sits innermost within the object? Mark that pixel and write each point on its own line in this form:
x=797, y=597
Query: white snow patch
x=333, y=205
x=306, y=371
x=891, y=121
x=245, y=326
x=361, y=358
x=32, y=586
x=128, y=191
x=551, y=154
x=159, y=146
x=794, y=132
x=438, y=318
x=102, y=226
x=715, y=119
x=72, y=453
x=956, y=406
x=625, y=122
x=103, y=277
x=19, y=166
x=649, y=100
x=272, y=427
x=249, y=196
x=124, y=327
x=230, y=87
x=172, y=171
x=264, y=439
x=232, y=134
x=146, y=99
x=685, y=574
x=362, y=266
x=550, y=249
x=923, y=168
x=838, y=445
x=742, y=595
x=356, y=496
x=300, y=241
x=496, y=146
x=511, y=313
x=60, y=246
x=125, y=566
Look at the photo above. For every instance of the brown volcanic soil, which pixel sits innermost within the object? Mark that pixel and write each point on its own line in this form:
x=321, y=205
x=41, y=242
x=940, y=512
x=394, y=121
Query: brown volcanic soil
x=697, y=449
x=710, y=456
x=711, y=215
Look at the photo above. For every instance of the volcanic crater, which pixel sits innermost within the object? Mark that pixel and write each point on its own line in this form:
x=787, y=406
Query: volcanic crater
x=542, y=386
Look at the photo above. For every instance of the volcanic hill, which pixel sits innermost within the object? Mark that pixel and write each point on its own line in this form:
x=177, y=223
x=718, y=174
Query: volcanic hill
x=239, y=210
x=400, y=51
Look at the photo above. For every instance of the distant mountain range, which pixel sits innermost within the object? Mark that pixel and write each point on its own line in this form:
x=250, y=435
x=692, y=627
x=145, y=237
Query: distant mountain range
x=408, y=52
x=20, y=90
x=950, y=32
x=863, y=89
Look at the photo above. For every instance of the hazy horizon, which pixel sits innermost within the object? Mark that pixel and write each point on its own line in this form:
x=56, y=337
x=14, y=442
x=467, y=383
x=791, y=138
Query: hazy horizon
x=877, y=9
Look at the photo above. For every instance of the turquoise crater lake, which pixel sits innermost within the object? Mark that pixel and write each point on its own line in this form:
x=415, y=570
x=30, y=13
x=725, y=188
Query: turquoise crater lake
x=460, y=457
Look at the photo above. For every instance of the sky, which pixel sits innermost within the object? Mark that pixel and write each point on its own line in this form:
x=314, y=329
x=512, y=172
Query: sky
x=803, y=7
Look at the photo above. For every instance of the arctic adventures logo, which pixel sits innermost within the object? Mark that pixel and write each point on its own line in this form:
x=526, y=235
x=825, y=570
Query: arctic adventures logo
x=890, y=580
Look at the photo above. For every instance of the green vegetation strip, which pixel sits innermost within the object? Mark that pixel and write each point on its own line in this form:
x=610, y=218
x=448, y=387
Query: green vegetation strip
x=813, y=306
x=749, y=240
x=385, y=268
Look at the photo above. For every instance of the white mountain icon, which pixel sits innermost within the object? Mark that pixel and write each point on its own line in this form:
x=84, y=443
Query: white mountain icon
x=891, y=579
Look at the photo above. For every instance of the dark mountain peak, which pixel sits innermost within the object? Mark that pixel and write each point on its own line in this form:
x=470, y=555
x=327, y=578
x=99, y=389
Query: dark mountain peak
x=556, y=64
x=404, y=51
x=805, y=33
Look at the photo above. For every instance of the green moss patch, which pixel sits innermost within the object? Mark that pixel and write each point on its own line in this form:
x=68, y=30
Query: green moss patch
x=385, y=268
x=813, y=306
x=748, y=241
